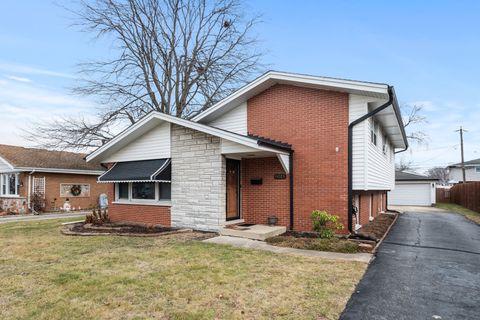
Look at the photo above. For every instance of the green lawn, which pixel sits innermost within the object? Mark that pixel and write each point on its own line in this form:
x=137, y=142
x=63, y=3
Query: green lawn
x=46, y=275
x=472, y=215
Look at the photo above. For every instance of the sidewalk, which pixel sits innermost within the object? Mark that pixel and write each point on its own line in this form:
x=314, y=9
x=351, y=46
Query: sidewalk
x=45, y=216
x=260, y=245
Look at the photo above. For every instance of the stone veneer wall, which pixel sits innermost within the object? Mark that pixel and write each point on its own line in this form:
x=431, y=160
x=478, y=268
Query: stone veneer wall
x=198, y=180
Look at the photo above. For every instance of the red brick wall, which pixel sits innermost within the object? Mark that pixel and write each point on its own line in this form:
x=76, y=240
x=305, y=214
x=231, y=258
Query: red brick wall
x=315, y=122
x=365, y=203
x=270, y=198
x=52, y=189
x=147, y=214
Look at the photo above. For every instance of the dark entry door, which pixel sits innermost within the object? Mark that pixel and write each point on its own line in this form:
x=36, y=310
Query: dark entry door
x=233, y=189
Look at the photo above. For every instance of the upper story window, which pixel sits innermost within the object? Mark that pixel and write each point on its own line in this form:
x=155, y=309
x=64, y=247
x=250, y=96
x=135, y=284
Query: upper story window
x=374, y=132
x=9, y=184
x=385, y=145
x=477, y=169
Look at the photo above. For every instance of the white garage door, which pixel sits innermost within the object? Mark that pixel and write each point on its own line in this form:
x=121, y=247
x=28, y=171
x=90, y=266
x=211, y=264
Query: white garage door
x=411, y=194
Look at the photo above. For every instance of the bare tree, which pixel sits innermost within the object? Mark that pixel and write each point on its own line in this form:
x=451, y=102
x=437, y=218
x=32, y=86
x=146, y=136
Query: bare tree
x=404, y=165
x=412, y=120
x=173, y=56
x=439, y=173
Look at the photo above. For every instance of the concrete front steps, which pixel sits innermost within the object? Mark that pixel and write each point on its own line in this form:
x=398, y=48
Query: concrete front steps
x=254, y=232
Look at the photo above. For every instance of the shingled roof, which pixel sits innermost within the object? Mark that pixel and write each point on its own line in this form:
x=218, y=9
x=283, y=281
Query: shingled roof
x=20, y=157
x=473, y=162
x=405, y=176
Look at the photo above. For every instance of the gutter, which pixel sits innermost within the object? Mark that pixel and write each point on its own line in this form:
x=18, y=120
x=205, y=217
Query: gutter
x=290, y=164
x=391, y=101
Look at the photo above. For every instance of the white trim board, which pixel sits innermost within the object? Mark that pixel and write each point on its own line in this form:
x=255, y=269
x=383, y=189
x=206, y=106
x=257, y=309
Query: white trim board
x=273, y=77
x=155, y=118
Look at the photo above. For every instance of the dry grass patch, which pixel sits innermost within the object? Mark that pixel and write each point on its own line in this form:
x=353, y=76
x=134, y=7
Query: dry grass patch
x=46, y=275
x=469, y=214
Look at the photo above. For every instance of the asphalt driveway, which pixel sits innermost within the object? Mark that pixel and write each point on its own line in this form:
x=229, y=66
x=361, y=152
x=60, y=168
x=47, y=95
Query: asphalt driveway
x=428, y=267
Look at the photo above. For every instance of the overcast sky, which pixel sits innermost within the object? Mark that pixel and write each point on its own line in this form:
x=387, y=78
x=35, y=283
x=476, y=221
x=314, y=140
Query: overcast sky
x=429, y=51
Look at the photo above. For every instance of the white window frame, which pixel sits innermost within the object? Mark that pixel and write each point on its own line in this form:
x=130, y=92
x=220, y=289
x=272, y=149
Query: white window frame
x=374, y=133
x=385, y=145
x=157, y=201
x=477, y=169
x=4, y=180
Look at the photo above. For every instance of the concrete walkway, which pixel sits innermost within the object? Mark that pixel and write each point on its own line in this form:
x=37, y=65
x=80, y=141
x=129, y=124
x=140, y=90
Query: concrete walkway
x=45, y=216
x=260, y=245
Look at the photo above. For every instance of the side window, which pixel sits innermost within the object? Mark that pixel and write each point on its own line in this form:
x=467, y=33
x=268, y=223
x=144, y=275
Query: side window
x=477, y=169
x=374, y=132
x=385, y=145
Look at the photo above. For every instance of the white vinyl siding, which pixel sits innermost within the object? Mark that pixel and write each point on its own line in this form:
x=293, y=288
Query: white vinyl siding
x=358, y=107
x=154, y=144
x=380, y=167
x=471, y=174
x=4, y=167
x=372, y=169
x=234, y=120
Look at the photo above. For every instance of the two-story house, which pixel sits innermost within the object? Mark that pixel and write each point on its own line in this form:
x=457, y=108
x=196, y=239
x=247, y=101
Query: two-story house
x=283, y=145
x=472, y=171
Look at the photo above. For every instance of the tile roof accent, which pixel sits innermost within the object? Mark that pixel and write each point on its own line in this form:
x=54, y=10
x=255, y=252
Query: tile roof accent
x=20, y=157
x=272, y=142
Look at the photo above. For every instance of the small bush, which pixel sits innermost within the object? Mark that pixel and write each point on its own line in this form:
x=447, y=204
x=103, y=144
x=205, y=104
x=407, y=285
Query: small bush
x=38, y=202
x=97, y=217
x=325, y=224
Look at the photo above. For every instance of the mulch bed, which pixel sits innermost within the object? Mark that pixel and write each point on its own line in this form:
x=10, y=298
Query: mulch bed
x=311, y=241
x=139, y=230
x=374, y=230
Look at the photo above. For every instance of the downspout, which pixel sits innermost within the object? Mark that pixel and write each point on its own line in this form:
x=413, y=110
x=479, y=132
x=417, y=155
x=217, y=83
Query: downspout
x=29, y=192
x=350, y=149
x=290, y=169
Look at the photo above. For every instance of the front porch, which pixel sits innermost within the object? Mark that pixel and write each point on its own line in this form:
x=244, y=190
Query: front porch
x=252, y=231
x=257, y=184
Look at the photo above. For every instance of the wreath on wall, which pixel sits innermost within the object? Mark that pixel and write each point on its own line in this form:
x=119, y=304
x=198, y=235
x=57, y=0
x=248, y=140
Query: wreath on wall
x=76, y=190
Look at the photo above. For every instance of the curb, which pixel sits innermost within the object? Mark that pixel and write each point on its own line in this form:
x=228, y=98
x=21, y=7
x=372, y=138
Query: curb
x=374, y=251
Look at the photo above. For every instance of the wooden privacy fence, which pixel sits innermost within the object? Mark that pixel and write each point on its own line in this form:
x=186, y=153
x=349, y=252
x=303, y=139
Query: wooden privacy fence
x=465, y=194
x=443, y=195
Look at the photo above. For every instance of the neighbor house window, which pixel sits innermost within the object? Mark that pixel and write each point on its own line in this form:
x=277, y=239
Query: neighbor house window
x=477, y=169
x=374, y=132
x=143, y=191
x=10, y=184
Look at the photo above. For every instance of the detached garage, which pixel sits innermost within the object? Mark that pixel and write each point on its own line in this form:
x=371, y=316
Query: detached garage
x=412, y=190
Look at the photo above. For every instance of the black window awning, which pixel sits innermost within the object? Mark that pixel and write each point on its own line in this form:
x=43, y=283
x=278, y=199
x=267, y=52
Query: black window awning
x=158, y=170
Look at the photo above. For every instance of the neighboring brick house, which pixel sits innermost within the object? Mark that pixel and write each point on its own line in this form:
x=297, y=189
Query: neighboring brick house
x=283, y=145
x=52, y=176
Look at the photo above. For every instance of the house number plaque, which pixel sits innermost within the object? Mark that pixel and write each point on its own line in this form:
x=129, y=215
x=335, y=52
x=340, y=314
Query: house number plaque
x=280, y=176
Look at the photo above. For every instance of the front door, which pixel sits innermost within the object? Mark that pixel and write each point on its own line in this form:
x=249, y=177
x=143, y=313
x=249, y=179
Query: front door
x=233, y=189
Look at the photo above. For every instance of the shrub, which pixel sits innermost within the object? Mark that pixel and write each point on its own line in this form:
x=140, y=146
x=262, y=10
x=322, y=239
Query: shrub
x=38, y=202
x=325, y=224
x=97, y=217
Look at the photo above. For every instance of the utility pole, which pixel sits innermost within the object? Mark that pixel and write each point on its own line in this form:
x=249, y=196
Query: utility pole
x=461, y=130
